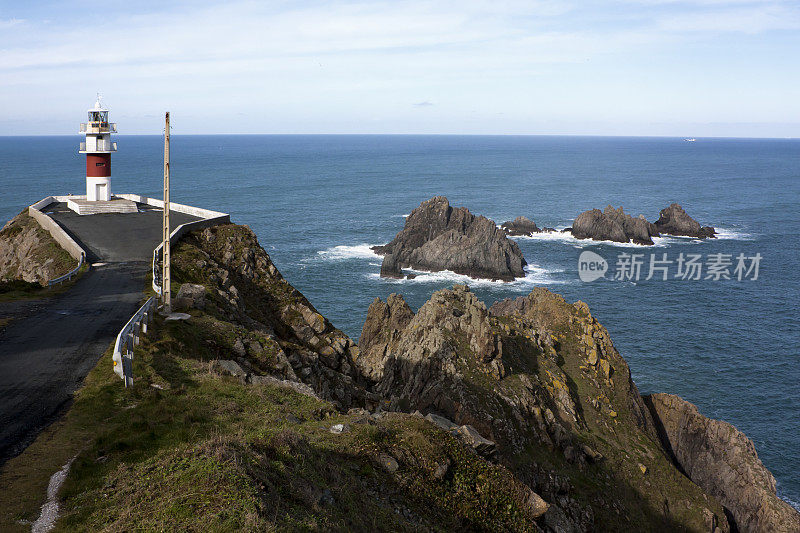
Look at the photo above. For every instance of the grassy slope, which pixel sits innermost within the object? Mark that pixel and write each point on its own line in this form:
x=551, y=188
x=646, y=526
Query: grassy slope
x=210, y=453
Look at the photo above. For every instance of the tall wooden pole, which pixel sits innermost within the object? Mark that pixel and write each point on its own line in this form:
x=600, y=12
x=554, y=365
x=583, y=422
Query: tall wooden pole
x=165, y=284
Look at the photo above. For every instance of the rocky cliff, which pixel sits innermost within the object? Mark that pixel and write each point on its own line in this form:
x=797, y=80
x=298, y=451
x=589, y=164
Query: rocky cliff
x=724, y=463
x=673, y=220
x=613, y=225
x=29, y=253
x=521, y=417
x=542, y=380
x=249, y=415
x=439, y=237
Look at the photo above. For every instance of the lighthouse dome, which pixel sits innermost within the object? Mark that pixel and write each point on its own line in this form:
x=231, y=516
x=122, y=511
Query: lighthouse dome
x=98, y=106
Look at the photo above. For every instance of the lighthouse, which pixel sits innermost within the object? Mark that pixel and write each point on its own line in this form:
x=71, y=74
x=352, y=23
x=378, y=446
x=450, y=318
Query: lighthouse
x=98, y=149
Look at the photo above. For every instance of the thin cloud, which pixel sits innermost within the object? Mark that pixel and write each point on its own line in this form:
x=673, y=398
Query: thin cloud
x=8, y=23
x=553, y=62
x=749, y=20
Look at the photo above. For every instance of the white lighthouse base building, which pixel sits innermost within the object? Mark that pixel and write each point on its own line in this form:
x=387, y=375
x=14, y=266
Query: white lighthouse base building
x=98, y=188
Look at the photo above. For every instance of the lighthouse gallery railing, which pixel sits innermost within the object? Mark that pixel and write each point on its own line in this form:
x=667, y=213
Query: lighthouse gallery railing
x=98, y=127
x=101, y=147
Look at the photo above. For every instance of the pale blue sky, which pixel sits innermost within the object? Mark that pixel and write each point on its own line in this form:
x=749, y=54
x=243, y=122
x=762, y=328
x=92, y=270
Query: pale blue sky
x=625, y=67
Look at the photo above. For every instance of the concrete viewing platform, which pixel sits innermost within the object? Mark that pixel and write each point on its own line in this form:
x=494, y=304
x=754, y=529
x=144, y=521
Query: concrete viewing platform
x=127, y=234
x=116, y=237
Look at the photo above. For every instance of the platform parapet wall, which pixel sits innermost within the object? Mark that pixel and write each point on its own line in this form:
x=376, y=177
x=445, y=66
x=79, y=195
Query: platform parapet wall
x=180, y=208
x=57, y=232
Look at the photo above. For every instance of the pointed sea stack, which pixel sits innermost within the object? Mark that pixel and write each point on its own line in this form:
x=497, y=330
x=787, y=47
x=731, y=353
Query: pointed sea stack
x=440, y=237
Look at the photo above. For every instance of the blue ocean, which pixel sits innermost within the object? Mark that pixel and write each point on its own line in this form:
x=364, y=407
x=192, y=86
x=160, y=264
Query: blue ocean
x=731, y=346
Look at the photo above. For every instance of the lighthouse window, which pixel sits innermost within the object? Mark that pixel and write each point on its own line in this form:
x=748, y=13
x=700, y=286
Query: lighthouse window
x=100, y=164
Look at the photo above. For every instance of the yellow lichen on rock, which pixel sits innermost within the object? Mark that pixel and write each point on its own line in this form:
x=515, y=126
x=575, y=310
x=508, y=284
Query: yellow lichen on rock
x=605, y=366
x=593, y=356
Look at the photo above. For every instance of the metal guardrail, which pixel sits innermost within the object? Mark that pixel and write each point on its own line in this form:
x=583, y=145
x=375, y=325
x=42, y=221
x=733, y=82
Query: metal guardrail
x=129, y=337
x=68, y=276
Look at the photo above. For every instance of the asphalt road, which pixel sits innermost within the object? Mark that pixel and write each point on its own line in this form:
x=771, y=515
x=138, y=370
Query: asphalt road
x=52, y=343
x=46, y=352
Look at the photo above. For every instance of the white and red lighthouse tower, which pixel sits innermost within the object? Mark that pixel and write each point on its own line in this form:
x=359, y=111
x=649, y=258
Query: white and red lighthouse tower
x=98, y=149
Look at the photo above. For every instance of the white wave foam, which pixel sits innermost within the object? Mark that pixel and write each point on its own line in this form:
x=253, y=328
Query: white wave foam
x=733, y=234
x=401, y=216
x=534, y=275
x=343, y=253
x=568, y=238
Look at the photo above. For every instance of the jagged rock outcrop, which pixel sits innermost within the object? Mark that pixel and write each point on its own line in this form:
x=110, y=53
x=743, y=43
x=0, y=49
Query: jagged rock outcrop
x=520, y=226
x=439, y=237
x=467, y=434
x=29, y=253
x=613, y=225
x=724, y=463
x=539, y=374
x=381, y=329
x=673, y=220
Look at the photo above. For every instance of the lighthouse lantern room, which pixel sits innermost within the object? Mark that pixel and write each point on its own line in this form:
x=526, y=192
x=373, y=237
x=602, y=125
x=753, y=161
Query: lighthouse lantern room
x=98, y=149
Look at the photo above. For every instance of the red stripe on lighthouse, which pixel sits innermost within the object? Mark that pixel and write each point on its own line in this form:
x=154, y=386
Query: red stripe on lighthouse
x=98, y=165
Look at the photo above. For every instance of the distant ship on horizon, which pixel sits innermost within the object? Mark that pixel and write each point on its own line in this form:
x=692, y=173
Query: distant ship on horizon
x=690, y=139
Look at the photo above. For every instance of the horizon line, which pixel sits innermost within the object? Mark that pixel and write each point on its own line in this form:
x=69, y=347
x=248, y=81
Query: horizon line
x=421, y=135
